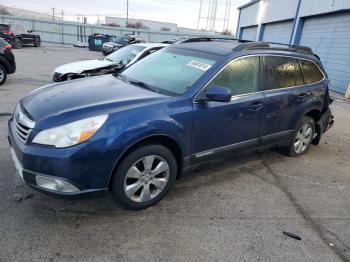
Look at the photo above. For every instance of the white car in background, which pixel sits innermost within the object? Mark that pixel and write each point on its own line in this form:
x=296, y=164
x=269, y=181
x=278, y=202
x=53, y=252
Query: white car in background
x=112, y=63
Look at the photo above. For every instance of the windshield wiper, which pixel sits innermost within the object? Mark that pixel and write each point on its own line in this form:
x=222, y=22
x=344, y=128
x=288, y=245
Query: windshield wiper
x=123, y=78
x=138, y=83
x=141, y=84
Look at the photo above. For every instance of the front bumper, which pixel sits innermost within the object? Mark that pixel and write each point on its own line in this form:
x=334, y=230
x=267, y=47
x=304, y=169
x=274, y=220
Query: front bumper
x=33, y=162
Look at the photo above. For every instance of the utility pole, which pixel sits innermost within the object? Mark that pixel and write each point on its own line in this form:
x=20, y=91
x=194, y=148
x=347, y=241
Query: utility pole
x=62, y=38
x=127, y=13
x=200, y=13
x=53, y=13
x=207, y=23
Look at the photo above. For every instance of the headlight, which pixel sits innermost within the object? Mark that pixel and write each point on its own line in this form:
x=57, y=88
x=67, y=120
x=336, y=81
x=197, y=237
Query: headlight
x=70, y=134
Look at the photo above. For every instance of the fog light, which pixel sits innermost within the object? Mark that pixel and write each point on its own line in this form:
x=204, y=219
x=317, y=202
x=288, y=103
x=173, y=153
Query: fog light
x=55, y=184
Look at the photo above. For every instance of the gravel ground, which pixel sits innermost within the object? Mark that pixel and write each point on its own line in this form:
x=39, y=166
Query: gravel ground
x=234, y=209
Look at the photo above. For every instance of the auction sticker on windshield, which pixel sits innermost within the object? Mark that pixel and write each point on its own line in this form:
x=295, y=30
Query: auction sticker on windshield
x=199, y=65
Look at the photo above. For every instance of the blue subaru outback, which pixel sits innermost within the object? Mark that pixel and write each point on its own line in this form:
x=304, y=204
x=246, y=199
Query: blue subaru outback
x=135, y=133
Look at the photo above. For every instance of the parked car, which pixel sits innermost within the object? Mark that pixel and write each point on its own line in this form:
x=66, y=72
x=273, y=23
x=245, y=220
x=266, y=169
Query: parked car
x=17, y=36
x=176, y=40
x=7, y=61
x=135, y=133
x=112, y=63
x=120, y=41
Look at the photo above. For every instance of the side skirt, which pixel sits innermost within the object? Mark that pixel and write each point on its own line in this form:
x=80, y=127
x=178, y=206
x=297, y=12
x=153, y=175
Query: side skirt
x=261, y=144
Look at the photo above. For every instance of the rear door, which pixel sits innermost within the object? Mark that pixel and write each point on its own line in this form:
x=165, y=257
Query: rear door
x=220, y=127
x=285, y=93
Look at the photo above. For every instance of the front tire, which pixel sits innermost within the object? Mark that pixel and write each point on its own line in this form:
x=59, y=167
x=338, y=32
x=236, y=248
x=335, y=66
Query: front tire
x=3, y=75
x=18, y=43
x=144, y=177
x=302, y=138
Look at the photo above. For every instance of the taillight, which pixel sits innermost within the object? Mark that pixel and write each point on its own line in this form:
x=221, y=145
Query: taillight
x=7, y=33
x=8, y=47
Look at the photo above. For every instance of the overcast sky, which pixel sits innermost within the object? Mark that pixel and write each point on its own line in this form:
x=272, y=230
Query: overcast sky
x=182, y=12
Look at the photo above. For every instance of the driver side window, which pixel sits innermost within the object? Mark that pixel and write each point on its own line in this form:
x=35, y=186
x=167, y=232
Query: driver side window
x=240, y=75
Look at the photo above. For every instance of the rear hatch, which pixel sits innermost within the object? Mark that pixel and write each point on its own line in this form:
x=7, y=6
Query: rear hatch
x=5, y=32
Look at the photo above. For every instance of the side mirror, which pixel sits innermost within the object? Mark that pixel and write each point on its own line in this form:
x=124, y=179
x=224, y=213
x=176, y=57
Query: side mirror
x=219, y=94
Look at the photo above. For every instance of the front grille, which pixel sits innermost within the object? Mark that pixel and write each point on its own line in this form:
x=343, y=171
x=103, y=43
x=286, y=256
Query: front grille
x=22, y=124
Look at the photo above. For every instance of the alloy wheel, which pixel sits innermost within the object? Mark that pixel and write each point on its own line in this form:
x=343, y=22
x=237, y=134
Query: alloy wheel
x=146, y=178
x=303, y=138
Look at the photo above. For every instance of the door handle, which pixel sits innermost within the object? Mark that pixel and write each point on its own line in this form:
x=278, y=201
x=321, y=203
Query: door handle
x=256, y=106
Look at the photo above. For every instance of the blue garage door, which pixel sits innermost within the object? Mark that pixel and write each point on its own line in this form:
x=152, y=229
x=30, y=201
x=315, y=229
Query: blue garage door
x=278, y=32
x=329, y=37
x=249, y=33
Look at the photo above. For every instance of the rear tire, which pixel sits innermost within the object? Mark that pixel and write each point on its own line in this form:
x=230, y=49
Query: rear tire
x=302, y=138
x=37, y=42
x=18, y=43
x=3, y=75
x=144, y=177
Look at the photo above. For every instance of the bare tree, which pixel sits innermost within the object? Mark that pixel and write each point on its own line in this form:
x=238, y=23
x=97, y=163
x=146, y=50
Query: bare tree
x=3, y=11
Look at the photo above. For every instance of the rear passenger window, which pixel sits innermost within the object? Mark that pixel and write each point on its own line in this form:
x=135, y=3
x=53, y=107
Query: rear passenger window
x=241, y=76
x=281, y=72
x=311, y=72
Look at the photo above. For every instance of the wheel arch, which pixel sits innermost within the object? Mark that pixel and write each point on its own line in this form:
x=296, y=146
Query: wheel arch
x=315, y=114
x=165, y=140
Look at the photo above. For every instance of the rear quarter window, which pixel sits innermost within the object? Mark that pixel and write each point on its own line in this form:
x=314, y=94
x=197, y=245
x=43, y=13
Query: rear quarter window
x=281, y=72
x=311, y=72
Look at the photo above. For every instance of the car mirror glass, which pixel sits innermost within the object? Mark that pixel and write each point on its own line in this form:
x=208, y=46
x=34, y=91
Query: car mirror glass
x=218, y=94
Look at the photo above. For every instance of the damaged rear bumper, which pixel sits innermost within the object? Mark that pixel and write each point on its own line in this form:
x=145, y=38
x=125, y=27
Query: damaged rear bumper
x=323, y=125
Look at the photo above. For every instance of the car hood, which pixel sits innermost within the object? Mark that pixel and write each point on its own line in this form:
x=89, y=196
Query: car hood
x=81, y=66
x=72, y=100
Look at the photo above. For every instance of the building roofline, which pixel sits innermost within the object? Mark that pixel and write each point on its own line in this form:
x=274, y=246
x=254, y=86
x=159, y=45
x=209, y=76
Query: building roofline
x=248, y=4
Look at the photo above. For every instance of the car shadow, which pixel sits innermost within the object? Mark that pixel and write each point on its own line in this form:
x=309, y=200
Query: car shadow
x=210, y=174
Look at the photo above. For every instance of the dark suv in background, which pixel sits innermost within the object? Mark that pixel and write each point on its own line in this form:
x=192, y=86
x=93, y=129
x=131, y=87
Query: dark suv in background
x=17, y=36
x=136, y=132
x=7, y=60
x=120, y=41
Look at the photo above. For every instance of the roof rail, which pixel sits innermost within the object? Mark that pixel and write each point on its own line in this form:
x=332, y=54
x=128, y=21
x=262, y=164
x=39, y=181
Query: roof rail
x=263, y=44
x=206, y=39
x=249, y=44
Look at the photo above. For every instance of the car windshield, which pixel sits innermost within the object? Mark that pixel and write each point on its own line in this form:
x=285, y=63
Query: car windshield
x=171, y=71
x=120, y=40
x=124, y=55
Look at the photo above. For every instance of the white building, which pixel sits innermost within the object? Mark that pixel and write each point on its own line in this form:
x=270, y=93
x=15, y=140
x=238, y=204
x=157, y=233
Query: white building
x=152, y=25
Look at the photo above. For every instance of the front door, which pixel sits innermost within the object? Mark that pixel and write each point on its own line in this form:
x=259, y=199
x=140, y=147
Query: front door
x=220, y=127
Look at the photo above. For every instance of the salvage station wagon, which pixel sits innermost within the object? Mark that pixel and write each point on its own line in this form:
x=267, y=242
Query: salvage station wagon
x=136, y=132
